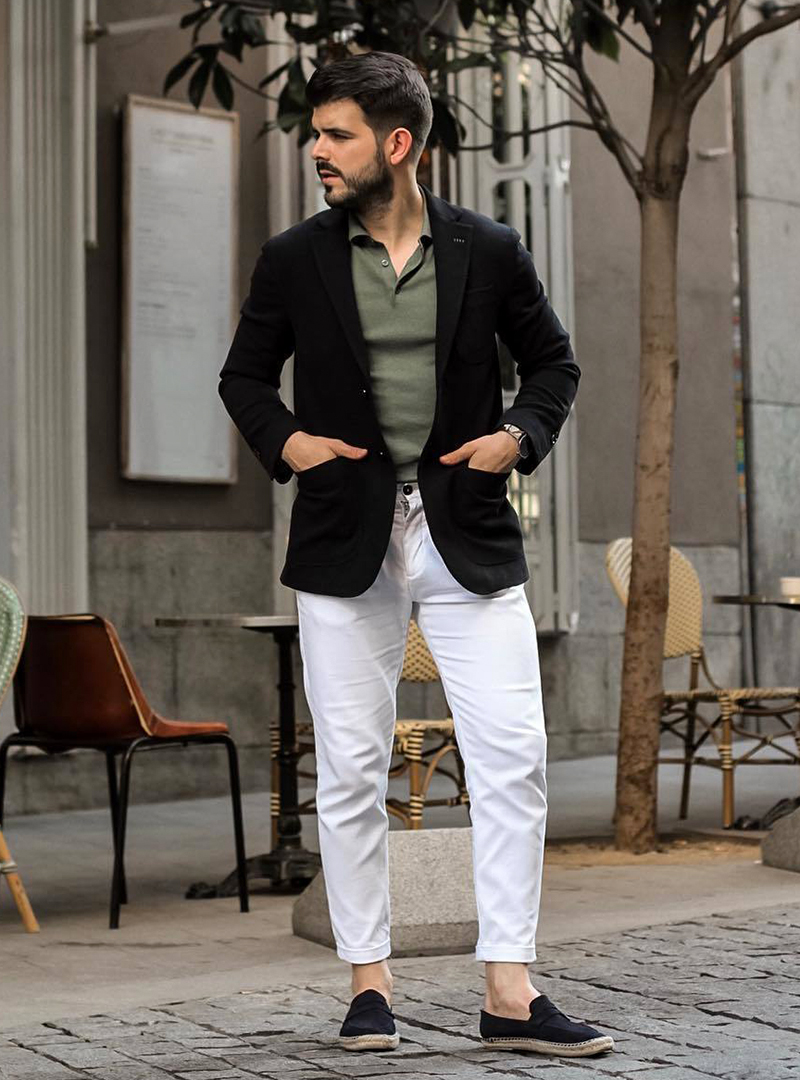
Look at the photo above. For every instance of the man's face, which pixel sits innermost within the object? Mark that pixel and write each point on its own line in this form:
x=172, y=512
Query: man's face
x=352, y=166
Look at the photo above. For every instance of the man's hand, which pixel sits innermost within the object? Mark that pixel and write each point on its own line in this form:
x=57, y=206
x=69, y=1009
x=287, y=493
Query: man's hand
x=497, y=452
x=301, y=450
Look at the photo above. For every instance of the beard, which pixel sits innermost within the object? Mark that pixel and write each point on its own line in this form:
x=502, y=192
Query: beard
x=364, y=191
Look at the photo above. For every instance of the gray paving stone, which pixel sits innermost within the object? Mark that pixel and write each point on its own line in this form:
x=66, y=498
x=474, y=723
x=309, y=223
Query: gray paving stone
x=716, y=997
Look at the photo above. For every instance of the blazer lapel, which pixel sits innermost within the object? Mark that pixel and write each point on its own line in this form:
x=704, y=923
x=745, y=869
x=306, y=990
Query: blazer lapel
x=332, y=252
x=452, y=242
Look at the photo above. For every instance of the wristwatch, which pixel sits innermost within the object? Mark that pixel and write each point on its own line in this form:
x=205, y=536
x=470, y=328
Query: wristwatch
x=522, y=437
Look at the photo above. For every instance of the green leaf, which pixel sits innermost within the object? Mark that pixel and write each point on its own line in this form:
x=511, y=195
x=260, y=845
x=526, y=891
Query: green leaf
x=274, y=74
x=230, y=17
x=296, y=83
x=176, y=73
x=466, y=12
x=198, y=83
x=233, y=46
x=623, y=10
x=293, y=107
x=609, y=43
x=192, y=17
x=223, y=88
x=286, y=119
x=304, y=132
x=445, y=127
x=600, y=36
x=252, y=29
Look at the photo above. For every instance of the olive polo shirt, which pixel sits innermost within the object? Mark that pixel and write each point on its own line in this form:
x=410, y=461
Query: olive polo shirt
x=398, y=320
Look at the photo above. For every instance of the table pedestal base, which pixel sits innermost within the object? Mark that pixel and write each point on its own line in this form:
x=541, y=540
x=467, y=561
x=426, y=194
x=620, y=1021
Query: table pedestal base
x=284, y=866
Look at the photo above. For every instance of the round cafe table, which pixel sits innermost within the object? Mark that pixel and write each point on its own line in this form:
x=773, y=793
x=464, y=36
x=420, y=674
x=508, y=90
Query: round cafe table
x=756, y=600
x=288, y=862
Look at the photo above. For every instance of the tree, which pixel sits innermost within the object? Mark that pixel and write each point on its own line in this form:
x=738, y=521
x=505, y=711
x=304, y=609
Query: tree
x=687, y=42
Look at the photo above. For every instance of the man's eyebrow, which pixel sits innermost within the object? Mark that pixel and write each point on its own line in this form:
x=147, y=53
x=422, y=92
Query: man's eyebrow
x=334, y=130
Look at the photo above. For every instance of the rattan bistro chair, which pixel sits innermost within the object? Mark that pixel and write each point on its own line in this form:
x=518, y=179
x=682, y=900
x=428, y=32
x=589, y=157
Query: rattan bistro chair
x=418, y=761
x=680, y=713
x=13, y=624
x=75, y=688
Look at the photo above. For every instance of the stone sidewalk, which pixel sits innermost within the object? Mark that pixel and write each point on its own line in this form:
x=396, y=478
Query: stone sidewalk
x=717, y=996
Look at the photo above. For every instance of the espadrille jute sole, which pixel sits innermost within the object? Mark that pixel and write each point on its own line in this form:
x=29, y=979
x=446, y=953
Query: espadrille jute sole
x=582, y=1049
x=374, y=1041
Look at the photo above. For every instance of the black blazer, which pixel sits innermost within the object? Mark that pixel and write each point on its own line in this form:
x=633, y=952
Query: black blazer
x=302, y=301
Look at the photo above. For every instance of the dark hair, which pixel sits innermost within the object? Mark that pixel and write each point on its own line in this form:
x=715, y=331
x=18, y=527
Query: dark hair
x=388, y=87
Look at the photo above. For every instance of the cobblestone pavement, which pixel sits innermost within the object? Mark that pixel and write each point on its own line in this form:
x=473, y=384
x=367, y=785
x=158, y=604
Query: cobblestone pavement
x=717, y=996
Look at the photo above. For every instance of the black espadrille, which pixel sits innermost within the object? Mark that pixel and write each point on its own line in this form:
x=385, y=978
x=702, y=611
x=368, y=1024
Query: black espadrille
x=369, y=1024
x=547, y=1031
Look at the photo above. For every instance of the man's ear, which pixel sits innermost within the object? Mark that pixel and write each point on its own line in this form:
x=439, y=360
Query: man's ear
x=400, y=141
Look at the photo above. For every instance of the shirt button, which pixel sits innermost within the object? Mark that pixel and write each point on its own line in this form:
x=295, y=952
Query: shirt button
x=384, y=262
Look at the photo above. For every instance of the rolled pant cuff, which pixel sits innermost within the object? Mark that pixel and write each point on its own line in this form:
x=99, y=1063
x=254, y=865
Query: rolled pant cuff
x=365, y=956
x=520, y=954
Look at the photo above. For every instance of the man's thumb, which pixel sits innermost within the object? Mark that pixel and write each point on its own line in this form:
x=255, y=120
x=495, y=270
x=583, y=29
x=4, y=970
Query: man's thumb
x=346, y=450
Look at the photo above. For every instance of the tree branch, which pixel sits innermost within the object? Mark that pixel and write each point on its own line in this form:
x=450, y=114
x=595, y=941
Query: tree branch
x=702, y=77
x=647, y=16
x=533, y=131
x=618, y=29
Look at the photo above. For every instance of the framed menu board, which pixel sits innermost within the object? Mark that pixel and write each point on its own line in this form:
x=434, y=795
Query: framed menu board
x=179, y=289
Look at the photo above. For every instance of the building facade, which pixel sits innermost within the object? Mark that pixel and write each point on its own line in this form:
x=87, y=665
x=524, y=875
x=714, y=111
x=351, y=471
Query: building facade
x=76, y=535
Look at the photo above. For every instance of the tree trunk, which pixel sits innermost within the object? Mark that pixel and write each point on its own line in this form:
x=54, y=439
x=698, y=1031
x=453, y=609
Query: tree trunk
x=646, y=615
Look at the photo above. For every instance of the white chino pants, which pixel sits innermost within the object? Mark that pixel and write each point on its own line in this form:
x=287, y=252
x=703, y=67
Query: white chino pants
x=486, y=650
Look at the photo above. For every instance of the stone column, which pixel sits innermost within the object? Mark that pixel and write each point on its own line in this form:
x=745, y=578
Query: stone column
x=767, y=87
x=43, y=519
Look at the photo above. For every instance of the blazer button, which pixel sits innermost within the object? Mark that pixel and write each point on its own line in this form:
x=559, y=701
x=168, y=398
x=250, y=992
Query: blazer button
x=553, y=438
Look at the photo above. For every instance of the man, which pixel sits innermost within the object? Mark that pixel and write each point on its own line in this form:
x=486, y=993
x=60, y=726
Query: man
x=390, y=301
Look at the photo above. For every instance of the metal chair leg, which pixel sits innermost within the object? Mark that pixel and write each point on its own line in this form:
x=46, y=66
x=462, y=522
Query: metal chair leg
x=113, y=798
x=689, y=749
x=238, y=824
x=122, y=820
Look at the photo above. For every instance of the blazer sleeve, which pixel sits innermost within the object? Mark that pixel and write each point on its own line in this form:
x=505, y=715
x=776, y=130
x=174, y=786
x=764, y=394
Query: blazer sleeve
x=250, y=379
x=541, y=349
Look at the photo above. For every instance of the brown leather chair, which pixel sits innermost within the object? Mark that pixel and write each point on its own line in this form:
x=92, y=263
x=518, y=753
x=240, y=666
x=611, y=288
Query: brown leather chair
x=75, y=688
